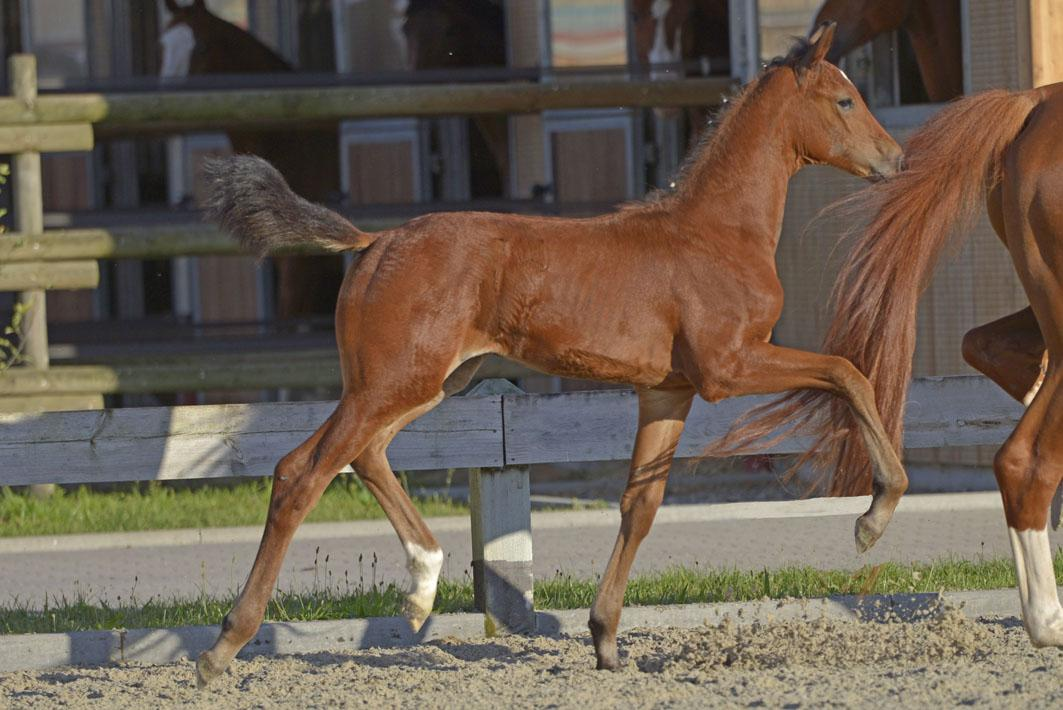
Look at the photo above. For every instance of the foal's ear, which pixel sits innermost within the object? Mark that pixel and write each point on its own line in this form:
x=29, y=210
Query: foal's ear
x=819, y=42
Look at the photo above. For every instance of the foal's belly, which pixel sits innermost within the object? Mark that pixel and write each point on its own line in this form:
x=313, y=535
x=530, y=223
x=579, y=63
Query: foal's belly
x=642, y=361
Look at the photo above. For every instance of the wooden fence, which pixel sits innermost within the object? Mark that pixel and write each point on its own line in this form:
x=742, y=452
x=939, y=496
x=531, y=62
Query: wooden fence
x=496, y=431
x=32, y=260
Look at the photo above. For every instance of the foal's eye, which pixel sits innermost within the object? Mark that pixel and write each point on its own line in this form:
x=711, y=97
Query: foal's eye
x=845, y=104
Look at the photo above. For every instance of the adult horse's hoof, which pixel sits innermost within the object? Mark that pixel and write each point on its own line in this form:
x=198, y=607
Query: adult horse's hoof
x=867, y=533
x=207, y=669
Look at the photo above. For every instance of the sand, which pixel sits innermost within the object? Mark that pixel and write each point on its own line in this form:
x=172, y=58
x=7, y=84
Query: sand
x=943, y=659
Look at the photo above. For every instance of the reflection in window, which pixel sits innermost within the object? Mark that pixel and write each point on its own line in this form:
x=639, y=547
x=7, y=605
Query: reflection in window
x=781, y=21
x=588, y=33
x=57, y=37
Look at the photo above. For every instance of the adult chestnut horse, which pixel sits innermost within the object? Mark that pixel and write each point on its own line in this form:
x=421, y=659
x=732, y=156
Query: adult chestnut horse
x=198, y=42
x=676, y=296
x=933, y=26
x=1003, y=148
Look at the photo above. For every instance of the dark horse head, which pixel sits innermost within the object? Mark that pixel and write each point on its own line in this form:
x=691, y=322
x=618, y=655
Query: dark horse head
x=198, y=42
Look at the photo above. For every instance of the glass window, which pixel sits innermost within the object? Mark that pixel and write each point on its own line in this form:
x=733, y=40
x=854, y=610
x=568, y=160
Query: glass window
x=588, y=33
x=371, y=36
x=57, y=32
x=781, y=21
x=911, y=53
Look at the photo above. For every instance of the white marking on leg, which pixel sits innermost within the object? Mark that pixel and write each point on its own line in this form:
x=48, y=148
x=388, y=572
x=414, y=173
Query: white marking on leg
x=1042, y=614
x=1028, y=399
x=424, y=567
x=177, y=45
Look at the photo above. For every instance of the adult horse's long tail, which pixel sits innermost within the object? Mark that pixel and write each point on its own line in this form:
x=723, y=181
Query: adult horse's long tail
x=951, y=162
x=250, y=200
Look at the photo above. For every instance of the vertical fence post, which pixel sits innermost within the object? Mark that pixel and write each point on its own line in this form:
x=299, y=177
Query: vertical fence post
x=29, y=210
x=29, y=219
x=500, y=505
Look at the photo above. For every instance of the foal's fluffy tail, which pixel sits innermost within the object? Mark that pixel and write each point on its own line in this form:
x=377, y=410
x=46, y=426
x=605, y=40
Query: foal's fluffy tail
x=250, y=200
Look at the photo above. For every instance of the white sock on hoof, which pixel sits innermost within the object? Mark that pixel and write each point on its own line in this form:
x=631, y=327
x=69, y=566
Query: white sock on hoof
x=1042, y=614
x=423, y=566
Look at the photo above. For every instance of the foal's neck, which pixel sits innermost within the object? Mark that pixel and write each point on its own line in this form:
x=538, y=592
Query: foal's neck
x=738, y=182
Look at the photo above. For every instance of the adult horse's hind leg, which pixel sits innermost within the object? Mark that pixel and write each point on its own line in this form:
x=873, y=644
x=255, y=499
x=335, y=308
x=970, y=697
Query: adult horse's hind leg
x=1011, y=352
x=661, y=417
x=298, y=482
x=769, y=369
x=1029, y=468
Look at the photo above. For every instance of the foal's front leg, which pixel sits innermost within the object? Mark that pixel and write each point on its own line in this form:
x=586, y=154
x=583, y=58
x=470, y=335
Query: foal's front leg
x=772, y=369
x=661, y=417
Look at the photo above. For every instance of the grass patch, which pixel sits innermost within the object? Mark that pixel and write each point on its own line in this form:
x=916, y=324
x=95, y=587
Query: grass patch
x=155, y=506
x=674, y=586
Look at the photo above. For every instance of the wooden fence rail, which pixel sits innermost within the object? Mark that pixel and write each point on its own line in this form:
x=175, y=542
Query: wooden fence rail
x=494, y=431
x=168, y=111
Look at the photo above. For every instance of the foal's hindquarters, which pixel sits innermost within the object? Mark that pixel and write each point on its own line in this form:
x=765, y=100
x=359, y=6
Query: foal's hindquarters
x=405, y=340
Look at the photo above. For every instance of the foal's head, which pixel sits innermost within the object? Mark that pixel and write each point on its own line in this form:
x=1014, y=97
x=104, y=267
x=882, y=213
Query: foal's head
x=832, y=124
x=196, y=41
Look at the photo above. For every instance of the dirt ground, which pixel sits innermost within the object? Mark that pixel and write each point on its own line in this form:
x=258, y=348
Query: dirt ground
x=946, y=659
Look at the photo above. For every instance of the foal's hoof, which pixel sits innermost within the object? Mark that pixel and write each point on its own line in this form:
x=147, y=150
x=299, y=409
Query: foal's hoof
x=416, y=613
x=608, y=662
x=867, y=533
x=207, y=670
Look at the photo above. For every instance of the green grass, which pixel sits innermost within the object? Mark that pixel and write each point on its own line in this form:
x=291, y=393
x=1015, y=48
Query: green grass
x=155, y=506
x=674, y=586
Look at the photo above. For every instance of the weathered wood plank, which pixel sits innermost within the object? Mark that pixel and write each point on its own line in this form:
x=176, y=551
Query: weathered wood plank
x=161, y=443
x=191, y=110
x=201, y=372
x=33, y=276
x=600, y=426
x=50, y=403
x=48, y=138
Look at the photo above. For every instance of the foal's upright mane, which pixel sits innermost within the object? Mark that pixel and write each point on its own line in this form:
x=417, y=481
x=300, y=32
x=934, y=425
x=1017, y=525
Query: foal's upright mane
x=722, y=125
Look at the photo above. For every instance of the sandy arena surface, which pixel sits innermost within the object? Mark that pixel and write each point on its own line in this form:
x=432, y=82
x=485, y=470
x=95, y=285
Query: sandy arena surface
x=944, y=660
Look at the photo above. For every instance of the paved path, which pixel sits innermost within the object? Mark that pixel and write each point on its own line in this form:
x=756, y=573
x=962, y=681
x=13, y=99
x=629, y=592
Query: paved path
x=744, y=535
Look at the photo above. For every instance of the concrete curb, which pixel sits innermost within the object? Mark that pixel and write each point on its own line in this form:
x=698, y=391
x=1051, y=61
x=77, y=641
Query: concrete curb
x=31, y=652
x=716, y=512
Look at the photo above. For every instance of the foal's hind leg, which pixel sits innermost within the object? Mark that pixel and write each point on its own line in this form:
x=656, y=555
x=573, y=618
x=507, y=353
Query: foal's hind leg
x=298, y=482
x=771, y=369
x=424, y=558
x=661, y=417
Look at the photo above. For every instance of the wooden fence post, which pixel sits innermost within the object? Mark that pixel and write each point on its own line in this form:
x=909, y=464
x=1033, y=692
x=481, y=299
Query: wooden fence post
x=29, y=219
x=500, y=505
x=29, y=214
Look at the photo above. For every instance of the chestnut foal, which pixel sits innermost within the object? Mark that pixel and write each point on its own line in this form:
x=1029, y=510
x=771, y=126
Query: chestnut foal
x=676, y=296
x=1000, y=149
